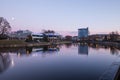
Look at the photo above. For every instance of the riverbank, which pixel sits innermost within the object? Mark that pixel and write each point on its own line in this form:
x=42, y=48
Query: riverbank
x=115, y=44
x=21, y=43
x=117, y=77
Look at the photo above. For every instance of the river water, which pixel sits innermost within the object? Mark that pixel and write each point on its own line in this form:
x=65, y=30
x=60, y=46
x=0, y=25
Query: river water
x=58, y=62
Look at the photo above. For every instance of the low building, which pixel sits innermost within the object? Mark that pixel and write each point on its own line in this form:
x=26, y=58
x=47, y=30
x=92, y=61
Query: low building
x=75, y=38
x=37, y=36
x=20, y=34
x=53, y=36
x=50, y=36
x=118, y=39
x=99, y=37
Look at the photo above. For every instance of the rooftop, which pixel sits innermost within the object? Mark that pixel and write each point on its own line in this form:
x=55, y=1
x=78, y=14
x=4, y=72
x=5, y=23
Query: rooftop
x=83, y=28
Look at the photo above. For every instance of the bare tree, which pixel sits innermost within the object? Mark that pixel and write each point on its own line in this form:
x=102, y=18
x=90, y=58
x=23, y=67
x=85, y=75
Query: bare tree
x=45, y=38
x=114, y=36
x=5, y=27
x=48, y=31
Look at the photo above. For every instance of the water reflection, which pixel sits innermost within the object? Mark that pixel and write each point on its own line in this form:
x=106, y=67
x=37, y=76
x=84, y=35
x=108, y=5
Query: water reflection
x=68, y=45
x=83, y=49
x=69, y=65
x=30, y=50
x=113, y=50
x=97, y=46
x=5, y=61
x=6, y=53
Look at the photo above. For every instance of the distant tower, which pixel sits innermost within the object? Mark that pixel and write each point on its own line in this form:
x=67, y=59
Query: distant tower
x=83, y=32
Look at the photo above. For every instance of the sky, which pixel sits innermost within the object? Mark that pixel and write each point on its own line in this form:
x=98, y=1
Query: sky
x=101, y=16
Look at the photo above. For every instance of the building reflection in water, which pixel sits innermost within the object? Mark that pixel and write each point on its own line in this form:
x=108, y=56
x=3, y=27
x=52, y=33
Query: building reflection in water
x=27, y=51
x=5, y=61
x=83, y=49
x=113, y=50
x=45, y=51
x=7, y=53
x=68, y=45
x=33, y=50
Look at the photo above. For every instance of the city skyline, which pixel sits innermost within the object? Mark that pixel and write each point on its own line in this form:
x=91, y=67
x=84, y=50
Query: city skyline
x=60, y=15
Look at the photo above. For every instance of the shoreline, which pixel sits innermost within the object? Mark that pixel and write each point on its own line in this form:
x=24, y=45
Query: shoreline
x=5, y=44
x=115, y=44
x=117, y=76
x=20, y=43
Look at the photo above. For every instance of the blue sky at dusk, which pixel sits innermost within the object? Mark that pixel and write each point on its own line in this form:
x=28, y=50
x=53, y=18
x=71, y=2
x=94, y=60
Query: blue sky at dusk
x=62, y=15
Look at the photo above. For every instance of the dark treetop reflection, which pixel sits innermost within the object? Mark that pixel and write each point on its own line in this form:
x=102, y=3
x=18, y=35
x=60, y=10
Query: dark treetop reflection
x=58, y=62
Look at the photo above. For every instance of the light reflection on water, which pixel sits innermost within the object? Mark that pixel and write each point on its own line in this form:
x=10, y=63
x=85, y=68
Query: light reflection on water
x=58, y=62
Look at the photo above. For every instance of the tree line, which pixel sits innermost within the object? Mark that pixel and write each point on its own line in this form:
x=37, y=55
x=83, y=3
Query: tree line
x=5, y=28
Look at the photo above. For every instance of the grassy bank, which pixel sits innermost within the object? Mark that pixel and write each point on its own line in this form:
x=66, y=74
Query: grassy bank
x=115, y=44
x=11, y=42
x=21, y=43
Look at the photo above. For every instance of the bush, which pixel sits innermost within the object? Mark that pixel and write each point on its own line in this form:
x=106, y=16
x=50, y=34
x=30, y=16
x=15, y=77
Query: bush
x=3, y=37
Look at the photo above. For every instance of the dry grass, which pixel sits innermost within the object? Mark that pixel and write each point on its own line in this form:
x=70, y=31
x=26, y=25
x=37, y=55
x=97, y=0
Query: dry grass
x=11, y=42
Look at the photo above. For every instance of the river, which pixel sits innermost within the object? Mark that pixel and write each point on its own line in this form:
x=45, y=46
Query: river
x=58, y=62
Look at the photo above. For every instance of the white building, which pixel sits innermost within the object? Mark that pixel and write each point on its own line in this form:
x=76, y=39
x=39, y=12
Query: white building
x=50, y=36
x=83, y=33
x=37, y=36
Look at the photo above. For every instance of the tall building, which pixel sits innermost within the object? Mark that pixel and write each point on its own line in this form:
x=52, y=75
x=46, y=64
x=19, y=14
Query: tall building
x=83, y=33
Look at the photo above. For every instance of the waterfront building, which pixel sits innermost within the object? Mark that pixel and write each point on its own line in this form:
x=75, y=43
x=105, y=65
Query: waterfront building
x=20, y=34
x=74, y=38
x=99, y=37
x=50, y=36
x=53, y=36
x=83, y=33
x=37, y=36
